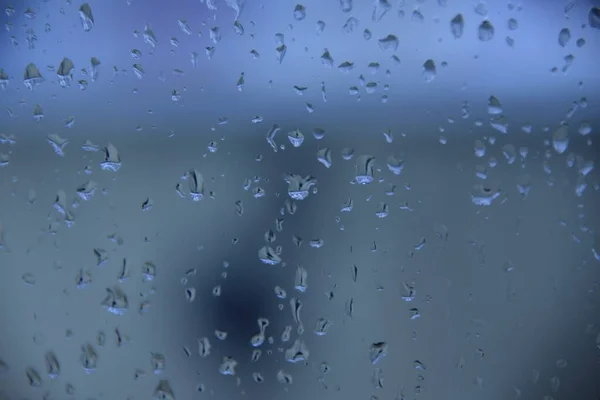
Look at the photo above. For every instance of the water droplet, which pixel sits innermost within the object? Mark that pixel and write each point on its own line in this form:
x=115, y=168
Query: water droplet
x=296, y=307
x=284, y=377
x=269, y=256
x=221, y=335
x=485, y=31
x=320, y=27
x=594, y=17
x=58, y=143
x=300, y=282
x=509, y=152
x=163, y=391
x=481, y=8
x=457, y=26
x=560, y=139
x=554, y=384
x=227, y=366
x=564, y=36
x=286, y=334
x=112, y=159
x=116, y=301
x=347, y=153
x=38, y=113
x=324, y=157
x=365, y=166
x=494, y=106
x=190, y=294
x=214, y=34
x=322, y=327
x=280, y=292
x=158, y=362
x=346, y=67
x=33, y=377
x=377, y=351
x=28, y=278
x=299, y=12
x=429, y=70
x=88, y=358
x=86, y=17
x=499, y=123
x=65, y=72
x=183, y=25
x=346, y=5
x=298, y=186
x=389, y=43
x=204, y=347
x=297, y=353
x=148, y=271
x=484, y=195
x=280, y=53
x=94, y=68
x=585, y=128
x=395, y=165
x=380, y=8
x=420, y=245
x=52, y=365
x=83, y=278
x=479, y=148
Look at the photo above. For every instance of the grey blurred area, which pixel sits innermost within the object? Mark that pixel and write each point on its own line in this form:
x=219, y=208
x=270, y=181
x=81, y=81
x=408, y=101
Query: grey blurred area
x=467, y=268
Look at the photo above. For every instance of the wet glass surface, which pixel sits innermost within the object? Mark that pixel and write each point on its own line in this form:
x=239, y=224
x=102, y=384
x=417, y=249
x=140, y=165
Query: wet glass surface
x=335, y=199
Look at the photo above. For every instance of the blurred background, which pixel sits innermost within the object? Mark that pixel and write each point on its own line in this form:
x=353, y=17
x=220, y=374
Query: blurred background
x=341, y=199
